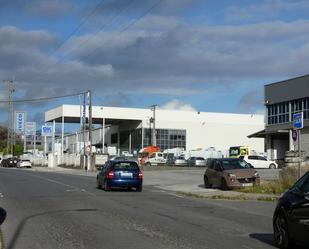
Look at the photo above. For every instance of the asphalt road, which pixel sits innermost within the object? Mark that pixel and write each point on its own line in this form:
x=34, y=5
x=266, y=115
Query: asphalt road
x=52, y=210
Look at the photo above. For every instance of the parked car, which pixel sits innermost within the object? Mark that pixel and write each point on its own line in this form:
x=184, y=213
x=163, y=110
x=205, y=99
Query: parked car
x=209, y=161
x=120, y=174
x=291, y=216
x=229, y=173
x=155, y=158
x=2, y=217
x=180, y=161
x=260, y=162
x=196, y=161
x=24, y=163
x=9, y=162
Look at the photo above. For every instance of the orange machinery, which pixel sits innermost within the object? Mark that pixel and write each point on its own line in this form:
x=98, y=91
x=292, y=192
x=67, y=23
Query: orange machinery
x=147, y=151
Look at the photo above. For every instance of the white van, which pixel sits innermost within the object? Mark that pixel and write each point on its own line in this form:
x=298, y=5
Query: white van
x=155, y=158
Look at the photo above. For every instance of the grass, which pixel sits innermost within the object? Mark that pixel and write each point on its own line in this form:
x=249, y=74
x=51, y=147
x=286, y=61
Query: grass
x=274, y=187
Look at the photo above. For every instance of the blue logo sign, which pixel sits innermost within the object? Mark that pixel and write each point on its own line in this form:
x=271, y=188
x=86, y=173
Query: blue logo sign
x=20, y=122
x=47, y=131
x=298, y=120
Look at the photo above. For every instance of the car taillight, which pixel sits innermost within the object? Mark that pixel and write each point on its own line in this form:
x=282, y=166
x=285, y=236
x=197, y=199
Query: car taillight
x=110, y=175
x=140, y=175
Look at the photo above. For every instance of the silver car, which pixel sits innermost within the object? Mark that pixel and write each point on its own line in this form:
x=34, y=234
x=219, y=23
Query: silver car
x=197, y=161
x=180, y=161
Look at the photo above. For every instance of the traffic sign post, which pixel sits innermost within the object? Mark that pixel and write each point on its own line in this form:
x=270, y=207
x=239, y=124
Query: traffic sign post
x=298, y=125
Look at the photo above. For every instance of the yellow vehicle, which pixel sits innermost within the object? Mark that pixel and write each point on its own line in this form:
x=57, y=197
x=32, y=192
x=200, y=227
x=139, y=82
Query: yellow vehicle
x=237, y=151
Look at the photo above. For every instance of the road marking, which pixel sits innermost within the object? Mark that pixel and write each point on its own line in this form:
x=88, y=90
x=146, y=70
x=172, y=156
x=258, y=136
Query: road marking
x=61, y=183
x=1, y=195
x=173, y=194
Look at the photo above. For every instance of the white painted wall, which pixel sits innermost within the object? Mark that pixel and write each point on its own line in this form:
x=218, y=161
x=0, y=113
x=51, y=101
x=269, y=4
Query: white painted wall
x=204, y=129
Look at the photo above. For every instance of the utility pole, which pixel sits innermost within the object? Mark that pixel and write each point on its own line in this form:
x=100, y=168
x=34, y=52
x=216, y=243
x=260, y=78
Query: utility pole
x=153, y=121
x=10, y=136
x=90, y=130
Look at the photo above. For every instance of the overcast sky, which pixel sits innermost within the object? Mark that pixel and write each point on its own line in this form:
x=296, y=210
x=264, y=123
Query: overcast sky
x=199, y=55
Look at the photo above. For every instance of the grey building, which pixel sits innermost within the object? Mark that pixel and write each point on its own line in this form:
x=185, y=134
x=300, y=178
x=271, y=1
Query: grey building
x=282, y=100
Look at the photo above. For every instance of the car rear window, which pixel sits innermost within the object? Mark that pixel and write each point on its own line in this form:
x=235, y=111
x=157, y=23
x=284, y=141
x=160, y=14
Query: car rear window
x=25, y=160
x=200, y=158
x=125, y=166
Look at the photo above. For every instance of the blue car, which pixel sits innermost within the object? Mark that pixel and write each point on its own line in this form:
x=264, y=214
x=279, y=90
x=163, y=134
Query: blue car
x=120, y=174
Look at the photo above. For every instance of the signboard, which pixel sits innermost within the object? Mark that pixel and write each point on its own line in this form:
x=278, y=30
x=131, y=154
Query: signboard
x=30, y=128
x=20, y=120
x=294, y=135
x=47, y=131
x=298, y=120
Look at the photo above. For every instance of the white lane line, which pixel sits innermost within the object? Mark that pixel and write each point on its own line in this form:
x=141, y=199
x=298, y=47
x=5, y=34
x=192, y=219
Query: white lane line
x=60, y=183
x=173, y=194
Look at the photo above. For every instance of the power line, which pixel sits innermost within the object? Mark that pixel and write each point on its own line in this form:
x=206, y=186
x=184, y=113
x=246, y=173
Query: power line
x=43, y=98
x=114, y=17
x=81, y=23
x=130, y=24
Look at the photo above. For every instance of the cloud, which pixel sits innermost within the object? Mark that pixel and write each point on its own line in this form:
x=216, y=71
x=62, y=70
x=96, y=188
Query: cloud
x=42, y=8
x=266, y=9
x=252, y=101
x=176, y=104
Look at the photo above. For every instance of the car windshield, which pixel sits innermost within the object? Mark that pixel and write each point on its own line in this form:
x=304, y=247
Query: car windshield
x=125, y=166
x=234, y=164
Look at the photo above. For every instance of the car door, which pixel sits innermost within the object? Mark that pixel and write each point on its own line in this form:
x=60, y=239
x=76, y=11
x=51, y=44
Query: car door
x=217, y=176
x=263, y=162
x=254, y=161
x=102, y=173
x=210, y=172
x=300, y=211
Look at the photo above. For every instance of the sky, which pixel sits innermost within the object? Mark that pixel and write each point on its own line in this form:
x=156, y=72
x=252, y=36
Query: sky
x=201, y=55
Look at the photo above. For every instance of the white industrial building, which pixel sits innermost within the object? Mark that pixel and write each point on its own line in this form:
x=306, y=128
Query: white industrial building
x=129, y=129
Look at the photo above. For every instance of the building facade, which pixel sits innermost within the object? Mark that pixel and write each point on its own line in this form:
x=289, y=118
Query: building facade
x=282, y=100
x=130, y=129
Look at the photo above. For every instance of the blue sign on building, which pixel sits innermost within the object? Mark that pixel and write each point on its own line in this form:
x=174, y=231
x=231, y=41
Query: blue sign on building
x=298, y=120
x=47, y=131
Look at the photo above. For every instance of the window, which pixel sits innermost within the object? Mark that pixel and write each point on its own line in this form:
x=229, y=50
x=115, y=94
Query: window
x=306, y=108
x=114, y=138
x=217, y=166
x=262, y=158
x=296, y=106
x=126, y=166
x=253, y=157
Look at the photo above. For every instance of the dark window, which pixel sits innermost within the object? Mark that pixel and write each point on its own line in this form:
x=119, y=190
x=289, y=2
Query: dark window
x=262, y=158
x=114, y=138
x=125, y=166
x=253, y=157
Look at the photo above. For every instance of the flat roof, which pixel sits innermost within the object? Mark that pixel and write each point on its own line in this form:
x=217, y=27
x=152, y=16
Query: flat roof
x=116, y=115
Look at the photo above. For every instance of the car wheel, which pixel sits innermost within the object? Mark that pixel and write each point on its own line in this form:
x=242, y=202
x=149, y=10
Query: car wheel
x=272, y=166
x=139, y=188
x=106, y=186
x=206, y=182
x=281, y=233
x=224, y=184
